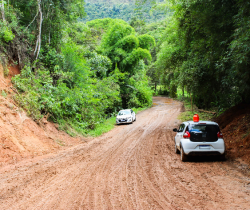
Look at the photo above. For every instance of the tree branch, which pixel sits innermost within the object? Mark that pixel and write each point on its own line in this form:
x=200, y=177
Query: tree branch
x=32, y=21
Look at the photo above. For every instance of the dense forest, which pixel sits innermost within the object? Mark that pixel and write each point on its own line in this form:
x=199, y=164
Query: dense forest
x=125, y=10
x=83, y=61
x=205, y=50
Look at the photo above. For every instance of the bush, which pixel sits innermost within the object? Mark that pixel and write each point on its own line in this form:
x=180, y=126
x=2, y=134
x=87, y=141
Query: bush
x=81, y=107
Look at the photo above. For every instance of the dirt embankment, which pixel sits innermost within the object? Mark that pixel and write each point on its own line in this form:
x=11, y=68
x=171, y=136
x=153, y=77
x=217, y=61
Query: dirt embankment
x=235, y=125
x=20, y=136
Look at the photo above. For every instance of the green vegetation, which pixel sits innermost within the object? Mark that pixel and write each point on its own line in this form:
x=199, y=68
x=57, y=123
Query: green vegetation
x=188, y=113
x=127, y=52
x=77, y=74
x=125, y=10
x=80, y=72
x=104, y=127
x=4, y=94
x=205, y=50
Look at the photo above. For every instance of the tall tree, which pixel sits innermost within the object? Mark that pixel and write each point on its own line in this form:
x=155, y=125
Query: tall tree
x=126, y=51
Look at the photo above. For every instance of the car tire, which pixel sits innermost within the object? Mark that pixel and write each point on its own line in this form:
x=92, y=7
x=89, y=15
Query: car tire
x=222, y=157
x=184, y=157
x=135, y=119
x=176, y=149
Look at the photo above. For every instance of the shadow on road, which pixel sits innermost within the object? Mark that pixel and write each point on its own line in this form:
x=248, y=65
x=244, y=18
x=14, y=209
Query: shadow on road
x=205, y=159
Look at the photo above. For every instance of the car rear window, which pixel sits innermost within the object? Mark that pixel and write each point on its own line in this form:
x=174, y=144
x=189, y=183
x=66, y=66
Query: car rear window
x=203, y=132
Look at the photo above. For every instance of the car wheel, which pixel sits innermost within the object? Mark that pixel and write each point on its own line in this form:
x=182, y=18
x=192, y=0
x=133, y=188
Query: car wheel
x=135, y=119
x=176, y=149
x=222, y=157
x=183, y=156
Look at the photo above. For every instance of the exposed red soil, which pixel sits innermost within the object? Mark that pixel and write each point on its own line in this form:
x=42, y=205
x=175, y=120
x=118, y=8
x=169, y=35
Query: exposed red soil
x=13, y=71
x=235, y=125
x=20, y=136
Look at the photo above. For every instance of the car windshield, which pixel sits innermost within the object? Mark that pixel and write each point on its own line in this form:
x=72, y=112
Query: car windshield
x=124, y=112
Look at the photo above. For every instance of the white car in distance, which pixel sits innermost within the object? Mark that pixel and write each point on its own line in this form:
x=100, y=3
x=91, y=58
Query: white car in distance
x=199, y=138
x=125, y=116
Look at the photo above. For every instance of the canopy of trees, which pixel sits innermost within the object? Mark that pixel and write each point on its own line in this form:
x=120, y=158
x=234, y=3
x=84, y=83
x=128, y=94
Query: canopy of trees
x=127, y=51
x=205, y=50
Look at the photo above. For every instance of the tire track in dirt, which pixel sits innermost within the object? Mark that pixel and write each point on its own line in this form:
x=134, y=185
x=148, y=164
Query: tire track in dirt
x=132, y=167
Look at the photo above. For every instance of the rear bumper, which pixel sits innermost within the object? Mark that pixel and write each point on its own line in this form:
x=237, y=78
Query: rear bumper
x=203, y=148
x=204, y=153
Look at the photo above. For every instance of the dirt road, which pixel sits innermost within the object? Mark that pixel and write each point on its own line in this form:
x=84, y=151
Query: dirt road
x=132, y=167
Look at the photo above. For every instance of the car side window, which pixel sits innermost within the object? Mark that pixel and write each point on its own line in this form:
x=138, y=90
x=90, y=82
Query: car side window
x=181, y=129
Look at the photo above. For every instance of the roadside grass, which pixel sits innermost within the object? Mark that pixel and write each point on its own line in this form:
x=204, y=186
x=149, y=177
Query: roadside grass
x=188, y=113
x=108, y=124
x=99, y=129
x=102, y=128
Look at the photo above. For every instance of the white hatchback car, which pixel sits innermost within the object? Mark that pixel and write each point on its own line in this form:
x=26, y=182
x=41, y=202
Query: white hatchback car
x=125, y=116
x=199, y=138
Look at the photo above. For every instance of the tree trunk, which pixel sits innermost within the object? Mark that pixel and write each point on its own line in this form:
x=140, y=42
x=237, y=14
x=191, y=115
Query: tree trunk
x=39, y=39
x=191, y=101
x=2, y=11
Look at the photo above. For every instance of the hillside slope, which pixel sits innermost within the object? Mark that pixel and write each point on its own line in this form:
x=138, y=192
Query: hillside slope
x=235, y=125
x=20, y=136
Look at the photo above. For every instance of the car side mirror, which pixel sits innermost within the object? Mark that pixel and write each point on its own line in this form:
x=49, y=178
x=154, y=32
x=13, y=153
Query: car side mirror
x=175, y=130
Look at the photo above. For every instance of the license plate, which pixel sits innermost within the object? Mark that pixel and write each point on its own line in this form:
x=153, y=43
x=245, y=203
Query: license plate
x=204, y=147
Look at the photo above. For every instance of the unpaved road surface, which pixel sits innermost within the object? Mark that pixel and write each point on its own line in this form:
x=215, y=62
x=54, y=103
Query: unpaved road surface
x=132, y=167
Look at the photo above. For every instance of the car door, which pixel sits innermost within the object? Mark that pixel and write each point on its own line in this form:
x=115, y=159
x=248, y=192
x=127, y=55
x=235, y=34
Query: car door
x=179, y=135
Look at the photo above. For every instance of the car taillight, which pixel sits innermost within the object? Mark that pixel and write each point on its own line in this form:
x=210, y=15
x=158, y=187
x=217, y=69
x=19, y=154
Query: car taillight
x=186, y=135
x=219, y=134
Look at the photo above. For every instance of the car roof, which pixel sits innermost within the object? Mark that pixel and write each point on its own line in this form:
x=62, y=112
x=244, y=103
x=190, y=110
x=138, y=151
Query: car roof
x=201, y=122
x=125, y=110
